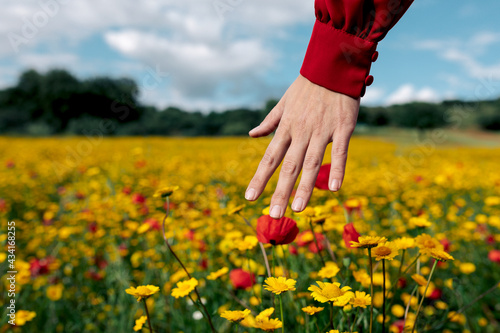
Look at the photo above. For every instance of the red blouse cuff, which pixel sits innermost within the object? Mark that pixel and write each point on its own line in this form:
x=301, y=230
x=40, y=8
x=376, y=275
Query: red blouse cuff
x=338, y=60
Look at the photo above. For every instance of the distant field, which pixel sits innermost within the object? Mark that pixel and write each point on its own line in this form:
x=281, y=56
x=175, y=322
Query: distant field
x=88, y=226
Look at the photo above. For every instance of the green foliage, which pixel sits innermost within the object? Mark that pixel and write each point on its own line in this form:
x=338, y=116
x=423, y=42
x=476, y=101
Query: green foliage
x=58, y=103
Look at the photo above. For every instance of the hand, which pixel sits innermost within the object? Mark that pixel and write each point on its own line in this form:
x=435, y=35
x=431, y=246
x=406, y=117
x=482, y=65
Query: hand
x=307, y=118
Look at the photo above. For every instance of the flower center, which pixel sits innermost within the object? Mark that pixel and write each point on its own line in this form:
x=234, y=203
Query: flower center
x=383, y=251
x=333, y=291
x=430, y=244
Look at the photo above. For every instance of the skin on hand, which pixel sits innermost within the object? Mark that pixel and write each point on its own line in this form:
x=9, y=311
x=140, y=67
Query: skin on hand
x=307, y=118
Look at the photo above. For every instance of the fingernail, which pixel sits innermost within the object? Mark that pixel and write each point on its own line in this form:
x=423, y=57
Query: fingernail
x=254, y=129
x=250, y=194
x=335, y=185
x=298, y=204
x=275, y=212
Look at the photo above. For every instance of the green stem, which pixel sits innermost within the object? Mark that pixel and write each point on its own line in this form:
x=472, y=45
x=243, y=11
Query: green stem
x=316, y=242
x=264, y=254
x=423, y=296
x=383, y=296
x=281, y=312
x=331, y=315
x=328, y=245
x=316, y=323
x=409, y=266
x=354, y=321
x=274, y=261
x=371, y=288
x=147, y=315
x=205, y=313
x=396, y=281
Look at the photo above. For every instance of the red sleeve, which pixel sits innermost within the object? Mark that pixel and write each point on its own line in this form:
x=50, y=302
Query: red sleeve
x=344, y=41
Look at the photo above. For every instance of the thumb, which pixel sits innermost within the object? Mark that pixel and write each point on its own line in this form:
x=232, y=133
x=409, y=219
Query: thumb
x=270, y=123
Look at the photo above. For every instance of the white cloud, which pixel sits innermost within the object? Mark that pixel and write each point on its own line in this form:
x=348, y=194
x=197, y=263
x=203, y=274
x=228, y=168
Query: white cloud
x=466, y=52
x=408, y=93
x=373, y=96
x=210, y=57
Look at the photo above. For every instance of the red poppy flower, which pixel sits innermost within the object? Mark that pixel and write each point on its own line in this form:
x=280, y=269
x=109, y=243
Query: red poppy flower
x=323, y=177
x=494, y=256
x=446, y=244
x=138, y=198
x=315, y=249
x=399, y=324
x=153, y=223
x=436, y=294
x=276, y=231
x=241, y=279
x=350, y=234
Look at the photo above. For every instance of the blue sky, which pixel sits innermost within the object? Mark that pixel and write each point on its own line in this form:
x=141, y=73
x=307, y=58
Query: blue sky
x=206, y=59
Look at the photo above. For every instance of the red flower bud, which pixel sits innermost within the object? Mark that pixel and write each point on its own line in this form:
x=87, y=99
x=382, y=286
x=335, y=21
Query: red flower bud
x=241, y=279
x=276, y=231
x=323, y=177
x=350, y=234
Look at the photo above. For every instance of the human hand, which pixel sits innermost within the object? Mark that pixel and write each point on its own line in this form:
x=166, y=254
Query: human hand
x=307, y=118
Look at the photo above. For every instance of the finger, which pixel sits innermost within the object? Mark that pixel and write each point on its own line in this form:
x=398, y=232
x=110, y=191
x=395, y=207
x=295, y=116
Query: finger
x=290, y=170
x=340, y=146
x=270, y=123
x=310, y=170
x=270, y=161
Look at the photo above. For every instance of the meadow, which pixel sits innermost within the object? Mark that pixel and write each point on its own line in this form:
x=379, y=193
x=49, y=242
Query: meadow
x=90, y=255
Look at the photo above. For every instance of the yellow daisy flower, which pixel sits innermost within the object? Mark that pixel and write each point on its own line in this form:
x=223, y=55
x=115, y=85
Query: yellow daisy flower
x=247, y=243
x=426, y=243
x=440, y=255
x=269, y=324
x=361, y=299
x=184, y=288
x=265, y=314
x=235, y=316
x=311, y=310
x=23, y=316
x=279, y=285
x=329, y=271
x=405, y=243
x=419, y=279
x=165, y=191
x=366, y=242
x=142, y=291
x=420, y=222
x=331, y=292
x=139, y=323
x=217, y=274
x=387, y=250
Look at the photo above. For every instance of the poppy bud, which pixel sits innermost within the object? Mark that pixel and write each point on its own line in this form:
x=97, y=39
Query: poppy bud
x=350, y=234
x=241, y=279
x=276, y=231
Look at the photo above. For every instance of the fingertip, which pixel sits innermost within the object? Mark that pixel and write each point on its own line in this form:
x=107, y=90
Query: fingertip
x=335, y=185
x=254, y=131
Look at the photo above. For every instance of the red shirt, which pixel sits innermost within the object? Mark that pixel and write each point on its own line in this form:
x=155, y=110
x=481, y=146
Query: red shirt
x=344, y=42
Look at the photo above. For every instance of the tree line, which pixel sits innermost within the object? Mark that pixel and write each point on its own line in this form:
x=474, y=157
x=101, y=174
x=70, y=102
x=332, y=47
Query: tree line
x=58, y=103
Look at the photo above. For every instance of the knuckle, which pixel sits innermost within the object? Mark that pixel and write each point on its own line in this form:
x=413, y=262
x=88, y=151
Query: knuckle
x=311, y=163
x=305, y=188
x=267, y=160
x=279, y=197
x=337, y=170
x=289, y=167
x=339, y=152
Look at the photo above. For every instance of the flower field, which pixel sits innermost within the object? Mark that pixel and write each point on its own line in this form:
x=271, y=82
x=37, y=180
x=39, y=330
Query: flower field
x=412, y=237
